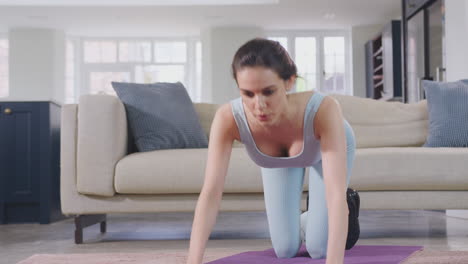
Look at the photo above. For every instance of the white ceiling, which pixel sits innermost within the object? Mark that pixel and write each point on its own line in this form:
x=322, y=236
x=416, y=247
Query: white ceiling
x=188, y=20
x=131, y=2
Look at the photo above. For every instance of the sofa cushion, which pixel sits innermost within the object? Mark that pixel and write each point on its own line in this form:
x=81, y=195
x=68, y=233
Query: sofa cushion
x=161, y=116
x=385, y=124
x=448, y=113
x=374, y=169
x=375, y=123
x=206, y=113
x=183, y=172
x=410, y=169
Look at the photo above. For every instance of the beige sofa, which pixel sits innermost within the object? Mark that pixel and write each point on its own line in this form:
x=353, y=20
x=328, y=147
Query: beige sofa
x=391, y=169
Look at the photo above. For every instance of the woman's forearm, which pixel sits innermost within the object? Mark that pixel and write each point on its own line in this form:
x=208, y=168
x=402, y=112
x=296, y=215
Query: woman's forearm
x=337, y=231
x=204, y=219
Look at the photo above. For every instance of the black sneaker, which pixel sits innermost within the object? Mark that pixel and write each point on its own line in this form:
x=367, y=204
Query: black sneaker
x=353, y=200
x=352, y=197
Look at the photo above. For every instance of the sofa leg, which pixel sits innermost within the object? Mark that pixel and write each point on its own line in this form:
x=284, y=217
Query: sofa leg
x=82, y=221
x=78, y=236
x=103, y=227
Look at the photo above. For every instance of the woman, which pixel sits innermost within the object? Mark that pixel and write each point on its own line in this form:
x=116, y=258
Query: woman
x=283, y=133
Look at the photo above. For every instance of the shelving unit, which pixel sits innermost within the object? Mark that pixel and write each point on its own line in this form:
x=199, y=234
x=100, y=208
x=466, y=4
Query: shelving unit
x=383, y=64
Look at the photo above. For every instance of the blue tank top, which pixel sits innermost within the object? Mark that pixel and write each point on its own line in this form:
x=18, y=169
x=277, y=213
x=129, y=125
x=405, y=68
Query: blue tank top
x=310, y=153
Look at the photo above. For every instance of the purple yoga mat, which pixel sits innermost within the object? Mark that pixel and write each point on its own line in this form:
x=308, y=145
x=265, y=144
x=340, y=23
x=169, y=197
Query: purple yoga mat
x=356, y=255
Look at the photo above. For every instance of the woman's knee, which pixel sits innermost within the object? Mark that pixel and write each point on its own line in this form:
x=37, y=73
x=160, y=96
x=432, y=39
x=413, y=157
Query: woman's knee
x=316, y=252
x=317, y=245
x=287, y=249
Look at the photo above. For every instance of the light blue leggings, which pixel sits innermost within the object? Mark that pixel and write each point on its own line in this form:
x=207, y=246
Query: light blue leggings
x=282, y=192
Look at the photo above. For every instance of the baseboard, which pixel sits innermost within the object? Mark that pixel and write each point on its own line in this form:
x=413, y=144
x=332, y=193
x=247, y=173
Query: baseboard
x=457, y=213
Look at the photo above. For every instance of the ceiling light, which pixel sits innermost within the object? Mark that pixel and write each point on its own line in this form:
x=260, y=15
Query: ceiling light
x=329, y=16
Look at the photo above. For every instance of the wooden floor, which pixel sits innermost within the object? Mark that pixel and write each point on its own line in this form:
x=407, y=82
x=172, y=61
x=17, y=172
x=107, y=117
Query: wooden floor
x=240, y=231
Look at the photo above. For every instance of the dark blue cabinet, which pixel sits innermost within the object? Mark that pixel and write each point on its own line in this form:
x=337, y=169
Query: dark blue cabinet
x=29, y=162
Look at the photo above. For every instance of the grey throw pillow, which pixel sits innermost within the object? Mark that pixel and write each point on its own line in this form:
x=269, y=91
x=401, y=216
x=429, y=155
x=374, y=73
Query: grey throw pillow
x=448, y=113
x=161, y=116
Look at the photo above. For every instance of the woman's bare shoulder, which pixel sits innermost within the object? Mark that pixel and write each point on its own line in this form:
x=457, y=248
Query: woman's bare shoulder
x=328, y=111
x=227, y=124
x=329, y=104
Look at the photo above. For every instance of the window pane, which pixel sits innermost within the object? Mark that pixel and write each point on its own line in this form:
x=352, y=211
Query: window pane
x=198, y=73
x=108, y=51
x=101, y=81
x=69, y=97
x=4, y=89
x=160, y=73
x=334, y=58
x=91, y=52
x=100, y=51
x=170, y=52
x=135, y=51
x=282, y=40
x=306, y=58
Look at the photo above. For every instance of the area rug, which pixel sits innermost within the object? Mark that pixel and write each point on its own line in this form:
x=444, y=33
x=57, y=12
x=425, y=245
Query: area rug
x=120, y=258
x=437, y=257
x=358, y=254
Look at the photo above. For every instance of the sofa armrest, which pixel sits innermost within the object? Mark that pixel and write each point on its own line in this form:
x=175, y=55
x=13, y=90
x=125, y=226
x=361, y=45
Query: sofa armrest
x=101, y=143
x=68, y=156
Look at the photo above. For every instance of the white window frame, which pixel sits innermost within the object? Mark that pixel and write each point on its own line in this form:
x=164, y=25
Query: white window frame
x=6, y=37
x=319, y=35
x=76, y=69
x=86, y=68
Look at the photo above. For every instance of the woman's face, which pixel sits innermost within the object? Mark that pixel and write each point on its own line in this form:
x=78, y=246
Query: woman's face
x=264, y=94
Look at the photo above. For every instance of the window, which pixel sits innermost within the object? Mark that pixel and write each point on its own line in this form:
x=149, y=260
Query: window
x=100, y=82
x=322, y=60
x=170, y=52
x=100, y=52
x=4, y=83
x=159, y=73
x=141, y=61
x=135, y=51
x=282, y=40
x=306, y=61
x=334, y=64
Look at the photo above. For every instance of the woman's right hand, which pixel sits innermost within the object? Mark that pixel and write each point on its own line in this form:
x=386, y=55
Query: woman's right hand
x=219, y=153
x=204, y=220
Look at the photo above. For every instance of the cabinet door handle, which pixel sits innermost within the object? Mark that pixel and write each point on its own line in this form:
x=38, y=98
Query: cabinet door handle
x=7, y=111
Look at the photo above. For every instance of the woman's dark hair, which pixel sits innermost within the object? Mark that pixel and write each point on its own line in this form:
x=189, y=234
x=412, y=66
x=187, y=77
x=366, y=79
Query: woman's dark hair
x=266, y=53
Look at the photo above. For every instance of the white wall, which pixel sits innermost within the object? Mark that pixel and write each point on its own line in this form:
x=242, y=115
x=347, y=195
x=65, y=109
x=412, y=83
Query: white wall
x=456, y=52
x=456, y=39
x=37, y=62
x=359, y=36
x=219, y=47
